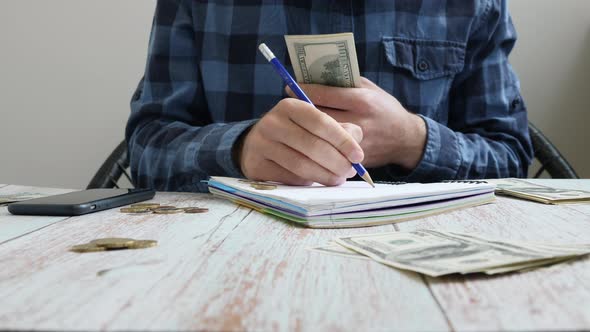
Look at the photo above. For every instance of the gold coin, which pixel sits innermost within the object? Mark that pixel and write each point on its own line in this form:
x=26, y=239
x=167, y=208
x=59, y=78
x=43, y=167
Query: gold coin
x=113, y=243
x=263, y=186
x=245, y=181
x=88, y=247
x=142, y=244
x=166, y=207
x=145, y=205
x=195, y=210
x=168, y=210
x=135, y=210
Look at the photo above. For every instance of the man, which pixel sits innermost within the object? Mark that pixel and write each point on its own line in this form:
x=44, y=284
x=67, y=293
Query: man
x=439, y=100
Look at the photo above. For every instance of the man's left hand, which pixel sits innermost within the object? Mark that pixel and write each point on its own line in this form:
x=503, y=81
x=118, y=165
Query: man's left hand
x=392, y=135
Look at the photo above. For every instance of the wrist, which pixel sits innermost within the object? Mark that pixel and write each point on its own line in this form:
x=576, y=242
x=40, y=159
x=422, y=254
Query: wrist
x=413, y=141
x=238, y=148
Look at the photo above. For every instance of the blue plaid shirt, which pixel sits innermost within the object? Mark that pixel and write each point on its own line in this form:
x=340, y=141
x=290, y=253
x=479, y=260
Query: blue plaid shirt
x=205, y=83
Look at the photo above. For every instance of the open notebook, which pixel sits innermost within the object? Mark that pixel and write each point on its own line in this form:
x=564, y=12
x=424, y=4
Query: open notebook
x=354, y=203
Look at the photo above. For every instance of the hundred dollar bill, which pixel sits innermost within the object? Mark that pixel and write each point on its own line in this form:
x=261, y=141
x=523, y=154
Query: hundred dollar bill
x=324, y=59
x=539, y=193
x=438, y=253
x=555, y=253
x=522, y=267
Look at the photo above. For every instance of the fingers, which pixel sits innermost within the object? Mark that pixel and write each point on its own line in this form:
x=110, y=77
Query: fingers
x=274, y=172
x=314, y=147
x=348, y=99
x=323, y=126
x=301, y=165
x=351, y=173
x=357, y=99
x=297, y=144
x=355, y=131
x=267, y=160
x=367, y=83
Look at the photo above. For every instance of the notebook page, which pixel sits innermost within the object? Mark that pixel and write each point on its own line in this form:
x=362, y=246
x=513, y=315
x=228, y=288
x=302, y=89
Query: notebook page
x=353, y=192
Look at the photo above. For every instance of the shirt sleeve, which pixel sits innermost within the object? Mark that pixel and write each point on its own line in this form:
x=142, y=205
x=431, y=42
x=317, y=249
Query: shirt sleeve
x=487, y=135
x=172, y=140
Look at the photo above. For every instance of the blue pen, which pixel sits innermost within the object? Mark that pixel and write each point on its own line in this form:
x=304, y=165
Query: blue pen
x=276, y=64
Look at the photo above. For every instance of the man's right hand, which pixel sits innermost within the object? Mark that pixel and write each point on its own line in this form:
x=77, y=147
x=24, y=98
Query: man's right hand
x=297, y=144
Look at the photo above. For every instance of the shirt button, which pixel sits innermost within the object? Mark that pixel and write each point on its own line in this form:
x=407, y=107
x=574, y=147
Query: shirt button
x=423, y=65
x=515, y=103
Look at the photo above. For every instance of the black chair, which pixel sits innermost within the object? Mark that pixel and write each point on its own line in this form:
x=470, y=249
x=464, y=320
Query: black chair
x=112, y=169
x=551, y=160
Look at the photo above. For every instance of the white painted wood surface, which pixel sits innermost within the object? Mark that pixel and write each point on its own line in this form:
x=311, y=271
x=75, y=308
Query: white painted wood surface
x=14, y=226
x=555, y=298
x=234, y=269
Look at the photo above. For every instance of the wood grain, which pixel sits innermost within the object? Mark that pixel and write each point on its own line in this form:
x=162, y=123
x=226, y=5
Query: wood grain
x=267, y=280
x=556, y=298
x=215, y=271
x=233, y=269
x=14, y=226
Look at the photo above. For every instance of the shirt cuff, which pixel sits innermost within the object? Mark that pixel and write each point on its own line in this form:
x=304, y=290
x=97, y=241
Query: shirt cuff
x=441, y=158
x=224, y=154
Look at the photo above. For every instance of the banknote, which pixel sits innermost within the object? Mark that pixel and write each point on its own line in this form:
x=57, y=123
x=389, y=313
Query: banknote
x=523, y=267
x=535, y=192
x=556, y=253
x=436, y=253
x=324, y=59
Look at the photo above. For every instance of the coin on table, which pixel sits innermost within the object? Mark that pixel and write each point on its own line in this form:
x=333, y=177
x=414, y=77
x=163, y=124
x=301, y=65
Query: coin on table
x=142, y=244
x=168, y=210
x=195, y=210
x=135, y=210
x=166, y=207
x=263, y=186
x=88, y=247
x=113, y=242
x=145, y=205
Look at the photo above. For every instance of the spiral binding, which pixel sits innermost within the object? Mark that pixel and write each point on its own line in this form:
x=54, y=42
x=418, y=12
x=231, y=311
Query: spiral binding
x=465, y=181
x=390, y=182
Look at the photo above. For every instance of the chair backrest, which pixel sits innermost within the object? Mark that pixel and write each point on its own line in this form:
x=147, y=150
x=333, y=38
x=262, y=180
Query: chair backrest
x=112, y=169
x=551, y=160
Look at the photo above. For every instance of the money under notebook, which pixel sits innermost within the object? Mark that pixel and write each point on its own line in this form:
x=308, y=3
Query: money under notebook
x=353, y=204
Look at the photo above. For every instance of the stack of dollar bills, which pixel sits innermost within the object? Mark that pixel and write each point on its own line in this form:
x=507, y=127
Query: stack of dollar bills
x=437, y=253
x=324, y=59
x=539, y=193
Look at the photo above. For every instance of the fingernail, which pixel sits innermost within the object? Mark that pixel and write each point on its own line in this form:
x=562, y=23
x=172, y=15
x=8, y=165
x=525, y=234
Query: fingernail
x=356, y=156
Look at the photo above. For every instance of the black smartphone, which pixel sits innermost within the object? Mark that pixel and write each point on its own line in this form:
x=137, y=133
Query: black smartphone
x=80, y=202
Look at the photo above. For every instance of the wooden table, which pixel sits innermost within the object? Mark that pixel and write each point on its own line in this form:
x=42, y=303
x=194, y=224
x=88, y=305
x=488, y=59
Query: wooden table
x=235, y=269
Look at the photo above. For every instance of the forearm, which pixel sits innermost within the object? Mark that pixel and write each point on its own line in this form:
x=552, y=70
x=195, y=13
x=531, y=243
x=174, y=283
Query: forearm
x=483, y=153
x=175, y=156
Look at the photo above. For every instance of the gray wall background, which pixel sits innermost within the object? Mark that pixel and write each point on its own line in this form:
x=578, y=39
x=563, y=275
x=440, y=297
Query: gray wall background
x=69, y=67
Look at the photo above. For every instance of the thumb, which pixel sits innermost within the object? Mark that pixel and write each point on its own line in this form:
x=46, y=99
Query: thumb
x=355, y=131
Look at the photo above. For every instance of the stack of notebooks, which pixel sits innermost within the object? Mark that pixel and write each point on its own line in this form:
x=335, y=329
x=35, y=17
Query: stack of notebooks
x=354, y=203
